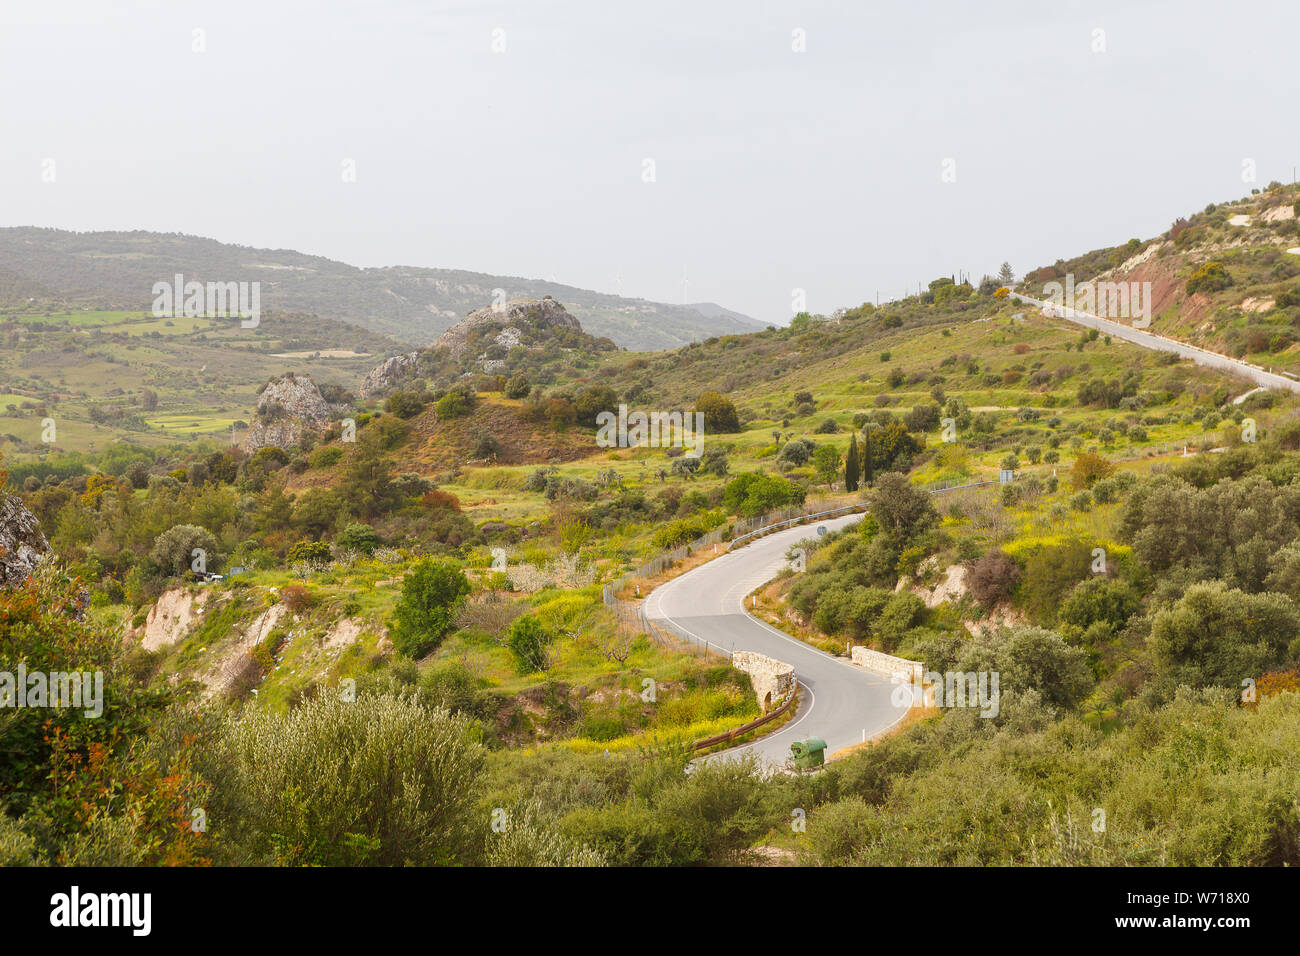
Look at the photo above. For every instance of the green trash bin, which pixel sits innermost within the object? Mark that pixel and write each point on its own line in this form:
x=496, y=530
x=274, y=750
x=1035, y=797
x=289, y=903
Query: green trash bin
x=805, y=754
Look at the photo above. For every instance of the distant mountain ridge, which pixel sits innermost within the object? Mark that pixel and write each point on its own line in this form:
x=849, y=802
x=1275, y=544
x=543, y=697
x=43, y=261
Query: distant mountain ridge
x=117, y=270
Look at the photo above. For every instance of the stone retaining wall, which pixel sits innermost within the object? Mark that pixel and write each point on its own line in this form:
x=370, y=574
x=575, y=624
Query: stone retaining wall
x=773, y=680
x=906, y=671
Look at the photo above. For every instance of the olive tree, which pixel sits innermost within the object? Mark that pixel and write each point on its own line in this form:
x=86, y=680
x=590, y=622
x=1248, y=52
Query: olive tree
x=379, y=780
x=178, y=548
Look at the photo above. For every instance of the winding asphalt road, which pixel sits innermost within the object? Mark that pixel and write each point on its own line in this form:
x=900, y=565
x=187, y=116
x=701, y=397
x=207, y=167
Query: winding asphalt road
x=839, y=701
x=1152, y=341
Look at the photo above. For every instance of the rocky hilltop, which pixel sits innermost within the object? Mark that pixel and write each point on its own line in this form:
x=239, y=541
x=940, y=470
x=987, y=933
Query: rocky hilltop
x=486, y=335
x=288, y=408
x=544, y=313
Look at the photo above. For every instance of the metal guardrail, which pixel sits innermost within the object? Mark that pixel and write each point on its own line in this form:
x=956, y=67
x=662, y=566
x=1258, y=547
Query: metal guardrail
x=847, y=509
x=1162, y=342
x=969, y=484
x=661, y=562
x=632, y=614
x=798, y=519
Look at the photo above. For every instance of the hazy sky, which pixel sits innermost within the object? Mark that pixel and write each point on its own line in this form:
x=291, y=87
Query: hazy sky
x=774, y=169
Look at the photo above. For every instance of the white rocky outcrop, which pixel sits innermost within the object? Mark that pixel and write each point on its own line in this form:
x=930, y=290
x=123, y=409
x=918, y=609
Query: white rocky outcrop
x=543, y=313
x=288, y=408
x=21, y=542
x=515, y=318
x=388, y=374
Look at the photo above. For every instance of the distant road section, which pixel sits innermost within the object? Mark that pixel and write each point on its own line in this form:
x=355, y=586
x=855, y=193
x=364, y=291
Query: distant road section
x=1150, y=340
x=842, y=704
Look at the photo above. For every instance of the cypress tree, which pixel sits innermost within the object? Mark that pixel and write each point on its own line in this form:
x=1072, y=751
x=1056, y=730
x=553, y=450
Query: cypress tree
x=851, y=466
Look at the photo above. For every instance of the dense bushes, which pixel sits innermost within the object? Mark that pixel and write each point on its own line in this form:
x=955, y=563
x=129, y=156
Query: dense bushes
x=325, y=456
x=518, y=386
x=664, y=817
x=1031, y=659
x=1050, y=572
x=1096, y=610
x=1141, y=776
x=407, y=404
x=1108, y=393
x=719, y=413
x=753, y=494
x=900, y=508
x=1220, y=635
x=529, y=641
x=887, y=447
x=185, y=547
x=592, y=401
x=1088, y=469
x=362, y=537
x=796, y=452
x=909, y=799
x=316, y=553
x=379, y=780
x=1231, y=530
x=452, y=405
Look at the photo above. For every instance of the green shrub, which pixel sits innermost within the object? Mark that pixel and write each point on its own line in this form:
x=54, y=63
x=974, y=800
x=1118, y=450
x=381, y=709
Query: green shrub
x=432, y=593
x=407, y=404
x=518, y=386
x=1211, y=277
x=683, y=530
x=902, y=612
x=452, y=405
x=529, y=641
x=359, y=537
x=754, y=493
x=719, y=413
x=325, y=456
x=175, y=549
x=314, y=553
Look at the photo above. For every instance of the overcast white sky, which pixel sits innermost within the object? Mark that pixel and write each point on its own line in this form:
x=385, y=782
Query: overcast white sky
x=775, y=169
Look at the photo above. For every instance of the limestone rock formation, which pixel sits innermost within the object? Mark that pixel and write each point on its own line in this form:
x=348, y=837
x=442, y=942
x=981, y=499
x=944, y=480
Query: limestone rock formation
x=384, y=377
x=516, y=318
x=21, y=542
x=538, y=313
x=288, y=408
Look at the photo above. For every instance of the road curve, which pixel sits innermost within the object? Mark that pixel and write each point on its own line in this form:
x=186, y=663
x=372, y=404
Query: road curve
x=1152, y=341
x=840, y=701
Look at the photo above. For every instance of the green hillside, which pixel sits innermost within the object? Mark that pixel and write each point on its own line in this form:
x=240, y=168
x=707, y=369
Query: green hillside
x=435, y=586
